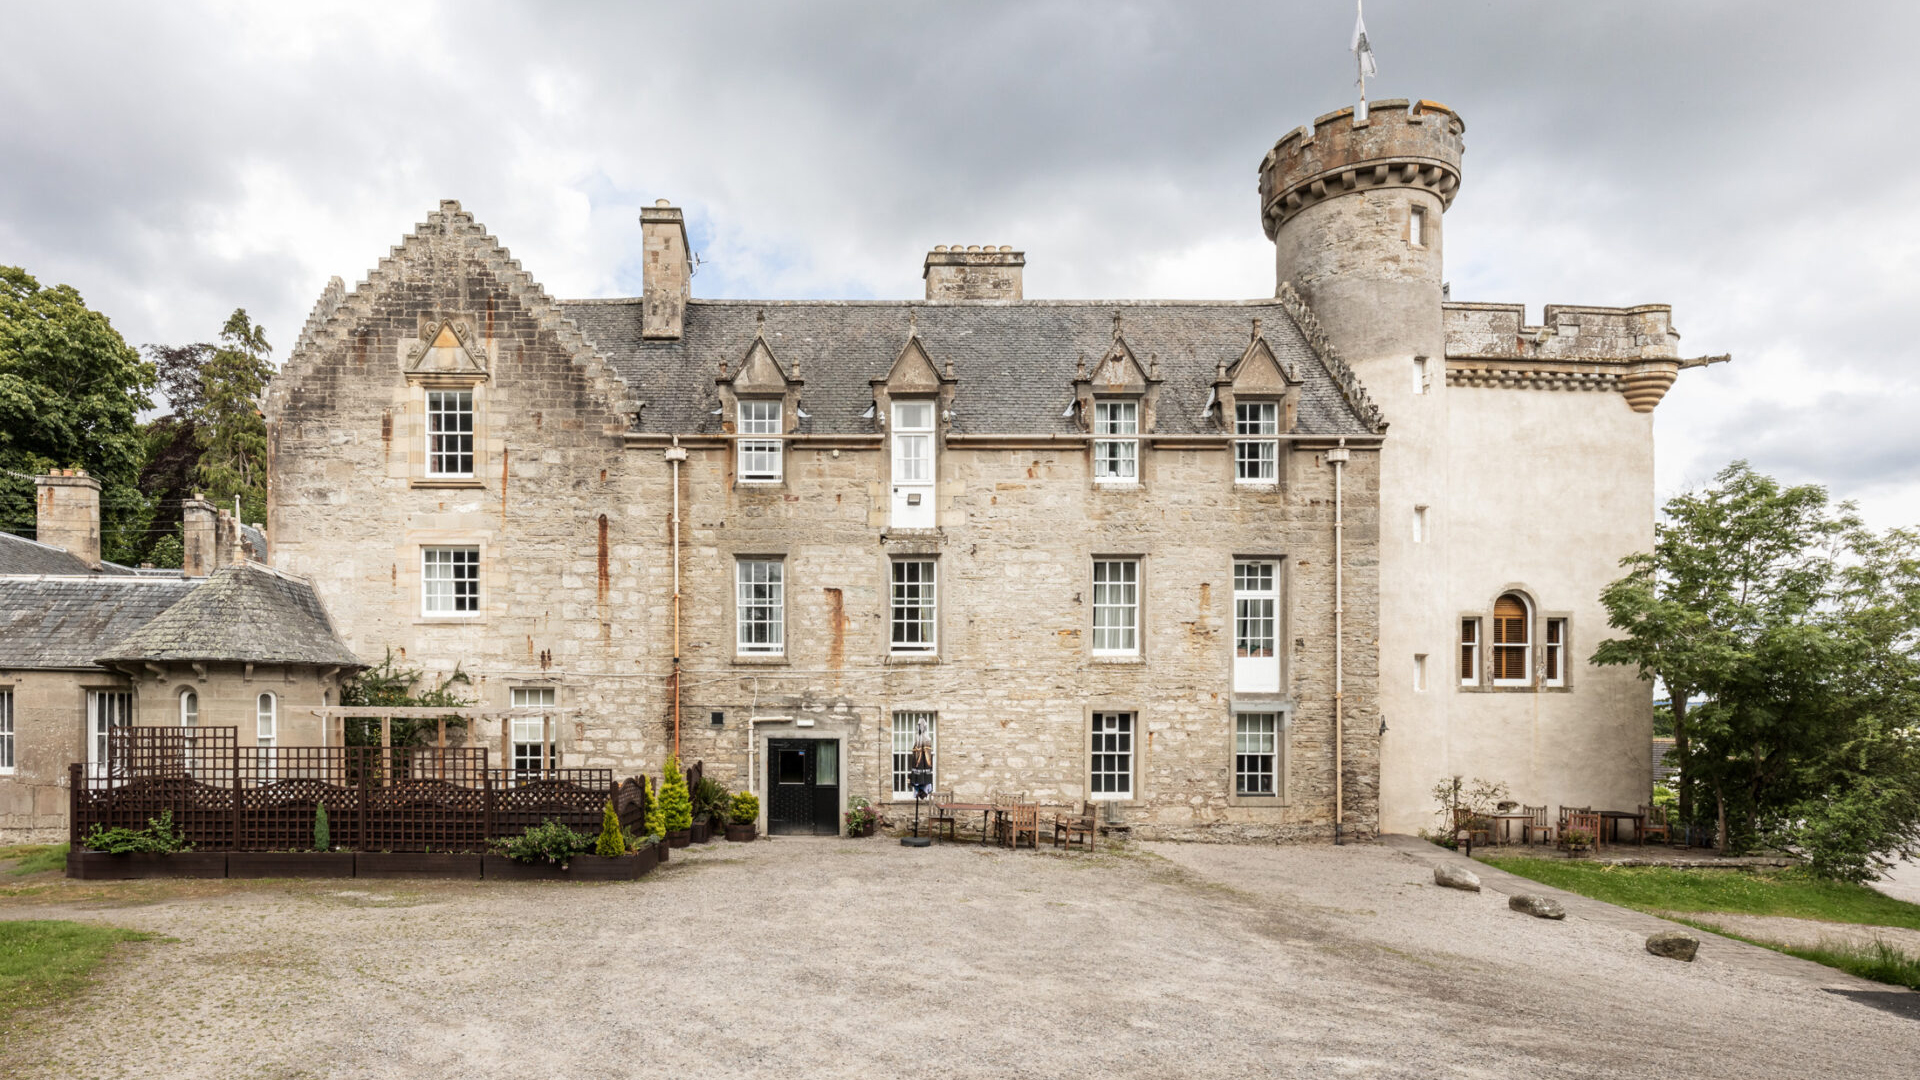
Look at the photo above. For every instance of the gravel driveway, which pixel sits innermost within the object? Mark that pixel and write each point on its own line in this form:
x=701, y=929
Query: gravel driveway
x=832, y=958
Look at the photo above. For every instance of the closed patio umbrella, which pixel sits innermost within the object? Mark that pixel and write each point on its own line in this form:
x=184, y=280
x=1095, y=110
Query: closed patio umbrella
x=920, y=779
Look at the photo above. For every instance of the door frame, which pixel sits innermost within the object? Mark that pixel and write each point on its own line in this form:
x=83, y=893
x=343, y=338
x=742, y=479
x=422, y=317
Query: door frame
x=764, y=739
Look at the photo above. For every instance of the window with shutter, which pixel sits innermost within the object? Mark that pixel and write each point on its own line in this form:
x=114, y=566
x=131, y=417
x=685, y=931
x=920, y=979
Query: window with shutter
x=1554, y=660
x=1511, y=652
x=1469, y=652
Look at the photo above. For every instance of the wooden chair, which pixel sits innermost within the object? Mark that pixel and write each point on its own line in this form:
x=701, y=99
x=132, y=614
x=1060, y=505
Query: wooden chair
x=1087, y=825
x=1023, y=819
x=1536, y=824
x=943, y=815
x=1471, y=830
x=1585, y=821
x=1655, y=824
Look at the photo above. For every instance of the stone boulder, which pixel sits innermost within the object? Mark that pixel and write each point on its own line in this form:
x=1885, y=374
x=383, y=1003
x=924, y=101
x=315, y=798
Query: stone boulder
x=1674, y=945
x=1540, y=907
x=1449, y=876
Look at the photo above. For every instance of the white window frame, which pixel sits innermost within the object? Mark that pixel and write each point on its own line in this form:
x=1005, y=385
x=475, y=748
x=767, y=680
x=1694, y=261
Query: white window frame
x=441, y=584
x=1420, y=525
x=1422, y=382
x=106, y=710
x=1523, y=647
x=760, y=600
x=1555, y=653
x=1416, y=226
x=903, y=721
x=450, y=433
x=1250, y=744
x=1256, y=626
x=8, y=749
x=1116, y=443
x=913, y=607
x=266, y=731
x=189, y=708
x=761, y=457
x=1469, y=650
x=1116, y=589
x=1110, y=756
x=532, y=731
x=1256, y=460
x=1420, y=672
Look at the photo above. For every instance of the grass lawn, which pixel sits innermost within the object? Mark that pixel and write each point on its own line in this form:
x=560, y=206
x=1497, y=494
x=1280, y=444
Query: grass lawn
x=44, y=961
x=35, y=858
x=1658, y=889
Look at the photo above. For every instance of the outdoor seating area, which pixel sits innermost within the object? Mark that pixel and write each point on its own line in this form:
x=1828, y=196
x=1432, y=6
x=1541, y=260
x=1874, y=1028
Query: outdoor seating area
x=1572, y=831
x=1011, y=821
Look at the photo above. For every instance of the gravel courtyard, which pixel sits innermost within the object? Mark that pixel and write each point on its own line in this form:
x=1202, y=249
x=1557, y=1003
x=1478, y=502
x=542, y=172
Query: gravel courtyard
x=831, y=958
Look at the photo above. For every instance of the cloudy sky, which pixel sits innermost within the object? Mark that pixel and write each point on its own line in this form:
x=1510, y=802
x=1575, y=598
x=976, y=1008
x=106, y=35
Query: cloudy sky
x=1755, y=164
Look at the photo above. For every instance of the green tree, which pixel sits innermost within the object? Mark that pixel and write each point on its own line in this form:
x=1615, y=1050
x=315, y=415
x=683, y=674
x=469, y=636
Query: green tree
x=612, y=840
x=231, y=431
x=391, y=684
x=170, y=472
x=676, y=805
x=1785, y=633
x=70, y=394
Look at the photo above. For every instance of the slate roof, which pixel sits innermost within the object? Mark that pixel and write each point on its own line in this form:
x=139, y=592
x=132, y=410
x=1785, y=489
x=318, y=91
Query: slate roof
x=1014, y=361
x=62, y=622
x=244, y=613
x=19, y=555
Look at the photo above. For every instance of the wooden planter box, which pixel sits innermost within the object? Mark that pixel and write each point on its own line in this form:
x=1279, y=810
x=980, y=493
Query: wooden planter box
x=863, y=830
x=100, y=866
x=700, y=833
x=393, y=864
x=298, y=864
x=661, y=850
x=679, y=837
x=742, y=833
x=582, y=868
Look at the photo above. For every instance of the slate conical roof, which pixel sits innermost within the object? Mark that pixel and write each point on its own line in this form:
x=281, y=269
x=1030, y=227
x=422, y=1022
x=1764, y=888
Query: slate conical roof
x=245, y=613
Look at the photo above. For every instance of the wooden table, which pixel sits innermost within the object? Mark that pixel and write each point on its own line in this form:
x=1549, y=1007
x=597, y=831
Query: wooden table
x=1504, y=823
x=1612, y=819
x=986, y=810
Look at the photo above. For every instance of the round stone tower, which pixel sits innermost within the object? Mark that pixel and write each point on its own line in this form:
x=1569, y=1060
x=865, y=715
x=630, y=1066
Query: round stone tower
x=1353, y=210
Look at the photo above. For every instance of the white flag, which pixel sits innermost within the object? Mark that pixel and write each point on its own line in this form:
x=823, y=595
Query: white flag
x=1362, y=51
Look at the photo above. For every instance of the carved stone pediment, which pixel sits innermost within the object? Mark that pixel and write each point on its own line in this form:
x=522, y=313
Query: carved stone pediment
x=1257, y=375
x=913, y=371
x=760, y=373
x=447, y=349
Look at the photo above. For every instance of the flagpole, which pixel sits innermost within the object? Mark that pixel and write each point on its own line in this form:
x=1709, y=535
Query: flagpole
x=1360, y=66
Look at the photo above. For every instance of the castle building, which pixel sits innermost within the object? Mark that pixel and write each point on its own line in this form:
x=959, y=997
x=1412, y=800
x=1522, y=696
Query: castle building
x=1239, y=569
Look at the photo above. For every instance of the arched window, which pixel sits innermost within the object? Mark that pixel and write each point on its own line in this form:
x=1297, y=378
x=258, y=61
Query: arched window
x=1512, y=653
x=189, y=708
x=266, y=732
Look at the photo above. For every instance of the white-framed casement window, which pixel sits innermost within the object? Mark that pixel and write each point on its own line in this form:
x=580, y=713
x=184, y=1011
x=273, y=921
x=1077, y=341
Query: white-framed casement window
x=1116, y=442
x=1110, y=768
x=450, y=581
x=189, y=708
x=1469, y=652
x=106, y=710
x=450, y=433
x=1256, y=753
x=1512, y=649
x=532, y=747
x=914, y=617
x=1256, y=448
x=1116, y=607
x=1256, y=626
x=1417, y=227
x=266, y=731
x=760, y=442
x=760, y=607
x=6, y=732
x=1554, y=655
x=903, y=733
x=913, y=463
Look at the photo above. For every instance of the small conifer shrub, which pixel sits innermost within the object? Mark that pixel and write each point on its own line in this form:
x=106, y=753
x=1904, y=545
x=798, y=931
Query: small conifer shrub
x=746, y=808
x=655, y=826
x=322, y=833
x=612, y=841
x=676, y=806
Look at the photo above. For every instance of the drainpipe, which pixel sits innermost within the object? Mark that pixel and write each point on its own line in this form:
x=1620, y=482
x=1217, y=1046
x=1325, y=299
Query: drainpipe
x=1337, y=457
x=676, y=454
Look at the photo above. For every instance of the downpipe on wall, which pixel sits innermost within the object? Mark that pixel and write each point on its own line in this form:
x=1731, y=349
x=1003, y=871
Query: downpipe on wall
x=676, y=454
x=1337, y=457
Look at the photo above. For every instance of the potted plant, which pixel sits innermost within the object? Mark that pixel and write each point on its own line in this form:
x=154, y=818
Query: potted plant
x=540, y=851
x=676, y=806
x=710, y=798
x=159, y=850
x=656, y=829
x=743, y=817
x=1579, y=842
x=860, y=816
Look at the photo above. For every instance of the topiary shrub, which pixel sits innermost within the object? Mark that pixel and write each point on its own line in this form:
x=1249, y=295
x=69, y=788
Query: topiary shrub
x=676, y=807
x=655, y=824
x=322, y=833
x=745, y=809
x=612, y=841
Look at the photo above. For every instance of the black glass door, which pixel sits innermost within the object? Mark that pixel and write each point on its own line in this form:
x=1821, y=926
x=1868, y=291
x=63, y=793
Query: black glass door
x=803, y=781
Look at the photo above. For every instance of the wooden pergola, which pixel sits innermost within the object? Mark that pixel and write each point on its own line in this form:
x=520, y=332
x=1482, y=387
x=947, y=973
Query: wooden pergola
x=333, y=719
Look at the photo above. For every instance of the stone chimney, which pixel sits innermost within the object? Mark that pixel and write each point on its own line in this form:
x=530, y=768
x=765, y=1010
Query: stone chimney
x=197, y=537
x=67, y=513
x=226, y=540
x=973, y=273
x=666, y=272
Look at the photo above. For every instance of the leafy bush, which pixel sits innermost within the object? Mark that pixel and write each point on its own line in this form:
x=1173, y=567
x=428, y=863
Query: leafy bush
x=676, y=806
x=392, y=684
x=549, y=841
x=1479, y=798
x=322, y=834
x=710, y=799
x=612, y=841
x=859, y=814
x=158, y=838
x=745, y=809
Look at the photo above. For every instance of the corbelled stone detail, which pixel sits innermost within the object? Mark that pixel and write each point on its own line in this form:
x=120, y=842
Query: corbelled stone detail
x=1356, y=394
x=1400, y=144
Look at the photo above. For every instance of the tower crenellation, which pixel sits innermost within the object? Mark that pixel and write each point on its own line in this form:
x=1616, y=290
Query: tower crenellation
x=1412, y=144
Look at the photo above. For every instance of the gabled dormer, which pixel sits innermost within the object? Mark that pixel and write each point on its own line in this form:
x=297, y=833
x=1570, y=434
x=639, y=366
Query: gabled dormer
x=1257, y=376
x=1115, y=402
x=912, y=405
x=760, y=406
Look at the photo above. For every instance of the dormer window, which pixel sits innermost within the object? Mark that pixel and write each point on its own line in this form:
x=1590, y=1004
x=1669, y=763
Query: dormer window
x=450, y=433
x=1116, y=442
x=1256, y=447
x=759, y=442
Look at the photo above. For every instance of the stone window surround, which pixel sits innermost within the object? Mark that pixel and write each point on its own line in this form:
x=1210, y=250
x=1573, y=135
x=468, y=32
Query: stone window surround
x=933, y=729
x=1282, y=617
x=897, y=654
x=1138, y=438
x=1536, y=643
x=1280, y=456
x=1282, y=708
x=783, y=421
x=550, y=724
x=734, y=559
x=1138, y=747
x=1139, y=653
x=414, y=562
x=416, y=417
